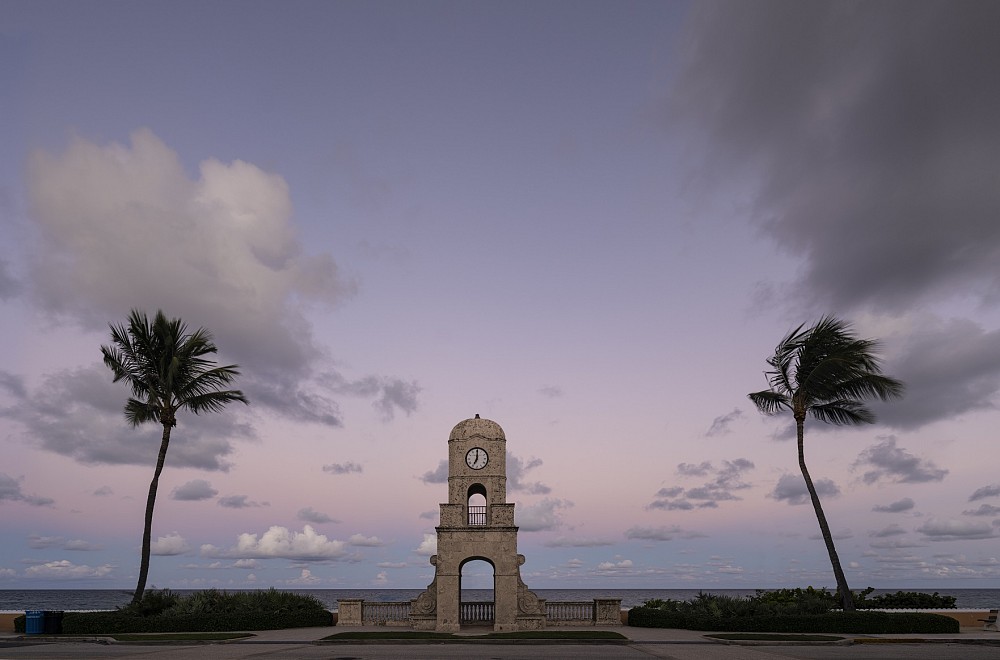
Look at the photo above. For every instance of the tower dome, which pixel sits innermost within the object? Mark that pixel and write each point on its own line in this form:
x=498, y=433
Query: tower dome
x=477, y=427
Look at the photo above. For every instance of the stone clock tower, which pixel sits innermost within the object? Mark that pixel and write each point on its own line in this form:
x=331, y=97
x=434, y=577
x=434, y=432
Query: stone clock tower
x=477, y=466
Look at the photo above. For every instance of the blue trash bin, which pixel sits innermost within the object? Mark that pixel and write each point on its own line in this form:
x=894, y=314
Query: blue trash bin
x=34, y=622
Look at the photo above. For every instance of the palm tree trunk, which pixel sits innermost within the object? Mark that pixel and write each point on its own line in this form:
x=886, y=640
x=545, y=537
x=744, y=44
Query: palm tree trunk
x=147, y=531
x=842, y=589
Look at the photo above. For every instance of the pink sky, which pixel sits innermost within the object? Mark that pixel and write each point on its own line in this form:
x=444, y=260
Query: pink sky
x=589, y=222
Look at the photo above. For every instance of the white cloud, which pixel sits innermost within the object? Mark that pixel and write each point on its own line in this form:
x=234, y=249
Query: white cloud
x=169, y=545
x=428, y=546
x=305, y=578
x=280, y=542
x=365, y=541
x=82, y=546
x=66, y=570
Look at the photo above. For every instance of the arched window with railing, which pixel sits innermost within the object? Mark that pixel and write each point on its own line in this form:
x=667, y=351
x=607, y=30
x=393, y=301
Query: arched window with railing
x=477, y=505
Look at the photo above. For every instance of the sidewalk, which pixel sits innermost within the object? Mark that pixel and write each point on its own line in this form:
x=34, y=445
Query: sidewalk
x=634, y=634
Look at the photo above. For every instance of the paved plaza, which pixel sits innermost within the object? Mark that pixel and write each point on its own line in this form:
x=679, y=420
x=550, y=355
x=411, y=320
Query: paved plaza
x=305, y=644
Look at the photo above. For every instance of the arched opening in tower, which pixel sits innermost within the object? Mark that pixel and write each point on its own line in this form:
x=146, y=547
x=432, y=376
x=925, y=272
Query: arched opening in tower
x=476, y=581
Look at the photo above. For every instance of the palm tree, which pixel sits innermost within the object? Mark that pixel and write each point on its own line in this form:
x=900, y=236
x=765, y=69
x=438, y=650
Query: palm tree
x=827, y=372
x=167, y=371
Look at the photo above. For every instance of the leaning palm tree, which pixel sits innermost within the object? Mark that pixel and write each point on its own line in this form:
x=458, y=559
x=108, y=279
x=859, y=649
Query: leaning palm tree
x=827, y=372
x=167, y=370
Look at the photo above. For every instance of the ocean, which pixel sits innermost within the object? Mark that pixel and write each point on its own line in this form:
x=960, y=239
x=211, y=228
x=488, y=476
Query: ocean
x=14, y=600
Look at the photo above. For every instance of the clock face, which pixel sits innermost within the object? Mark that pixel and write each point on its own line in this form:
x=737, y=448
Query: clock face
x=477, y=458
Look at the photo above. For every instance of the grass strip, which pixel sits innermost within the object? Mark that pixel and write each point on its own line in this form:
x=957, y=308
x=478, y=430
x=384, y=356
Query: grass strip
x=579, y=635
x=774, y=637
x=181, y=637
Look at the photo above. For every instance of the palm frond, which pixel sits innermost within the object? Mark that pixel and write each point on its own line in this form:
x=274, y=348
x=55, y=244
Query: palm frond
x=769, y=402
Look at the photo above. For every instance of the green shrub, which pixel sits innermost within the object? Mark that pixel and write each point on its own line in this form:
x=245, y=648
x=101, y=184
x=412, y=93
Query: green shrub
x=202, y=611
x=832, y=622
x=903, y=600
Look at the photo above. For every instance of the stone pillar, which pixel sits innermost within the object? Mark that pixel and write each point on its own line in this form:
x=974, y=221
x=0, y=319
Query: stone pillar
x=349, y=612
x=608, y=612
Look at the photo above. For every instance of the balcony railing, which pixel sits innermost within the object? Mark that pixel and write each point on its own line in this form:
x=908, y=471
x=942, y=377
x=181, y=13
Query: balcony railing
x=477, y=515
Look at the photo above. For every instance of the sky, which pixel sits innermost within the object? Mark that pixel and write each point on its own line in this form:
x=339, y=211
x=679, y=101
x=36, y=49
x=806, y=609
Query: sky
x=590, y=222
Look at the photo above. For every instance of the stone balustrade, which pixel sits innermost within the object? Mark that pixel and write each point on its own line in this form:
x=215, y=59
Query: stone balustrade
x=603, y=612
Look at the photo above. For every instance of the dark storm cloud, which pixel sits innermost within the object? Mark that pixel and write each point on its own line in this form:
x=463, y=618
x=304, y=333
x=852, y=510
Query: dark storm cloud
x=889, y=462
x=78, y=413
x=9, y=286
x=949, y=368
x=869, y=130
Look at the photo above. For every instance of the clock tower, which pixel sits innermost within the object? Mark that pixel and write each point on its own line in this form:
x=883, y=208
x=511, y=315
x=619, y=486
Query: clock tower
x=477, y=472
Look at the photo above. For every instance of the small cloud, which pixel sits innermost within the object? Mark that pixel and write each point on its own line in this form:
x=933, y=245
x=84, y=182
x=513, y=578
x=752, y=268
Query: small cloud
x=550, y=391
x=240, y=502
x=170, y=545
x=993, y=490
x=891, y=530
x=517, y=470
x=79, y=545
x=103, y=491
x=310, y=516
x=898, y=506
x=956, y=530
x=566, y=542
x=10, y=491
x=574, y=563
x=305, y=578
x=792, y=489
x=625, y=565
x=543, y=516
x=343, y=468
x=193, y=491
x=36, y=542
x=896, y=464
x=428, y=546
x=691, y=470
x=392, y=564
x=428, y=515
x=652, y=533
x=438, y=475
x=724, y=480
x=983, y=510
x=67, y=570
x=381, y=579
x=720, y=425
x=365, y=541
x=246, y=563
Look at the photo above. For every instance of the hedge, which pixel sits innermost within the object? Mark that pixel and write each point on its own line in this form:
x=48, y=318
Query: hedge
x=868, y=623
x=110, y=623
